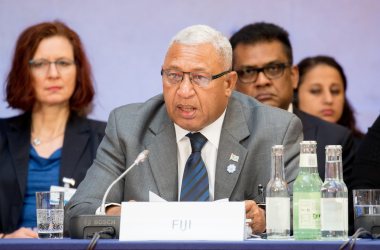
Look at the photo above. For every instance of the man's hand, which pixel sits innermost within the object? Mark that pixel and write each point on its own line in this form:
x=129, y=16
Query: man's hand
x=257, y=216
x=22, y=232
x=113, y=210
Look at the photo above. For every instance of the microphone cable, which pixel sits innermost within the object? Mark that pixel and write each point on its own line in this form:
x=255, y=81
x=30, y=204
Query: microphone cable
x=360, y=232
x=106, y=231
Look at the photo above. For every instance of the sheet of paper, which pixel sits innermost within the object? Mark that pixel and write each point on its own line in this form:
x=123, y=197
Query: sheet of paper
x=69, y=192
x=153, y=197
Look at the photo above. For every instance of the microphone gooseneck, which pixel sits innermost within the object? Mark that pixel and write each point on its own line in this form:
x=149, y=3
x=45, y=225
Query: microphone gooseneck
x=140, y=158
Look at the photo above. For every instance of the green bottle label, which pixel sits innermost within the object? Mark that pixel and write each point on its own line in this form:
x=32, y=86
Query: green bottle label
x=308, y=210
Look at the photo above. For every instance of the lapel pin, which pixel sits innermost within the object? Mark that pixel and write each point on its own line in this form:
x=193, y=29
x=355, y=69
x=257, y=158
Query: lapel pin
x=234, y=157
x=231, y=168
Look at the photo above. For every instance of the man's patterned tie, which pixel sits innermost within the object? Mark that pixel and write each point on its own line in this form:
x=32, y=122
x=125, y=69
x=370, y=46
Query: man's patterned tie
x=195, y=178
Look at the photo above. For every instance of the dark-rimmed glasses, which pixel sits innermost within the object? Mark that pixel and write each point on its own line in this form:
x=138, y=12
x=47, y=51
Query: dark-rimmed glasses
x=271, y=71
x=201, y=79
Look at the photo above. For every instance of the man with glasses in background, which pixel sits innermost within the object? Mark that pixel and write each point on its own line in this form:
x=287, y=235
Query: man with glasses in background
x=198, y=116
x=263, y=60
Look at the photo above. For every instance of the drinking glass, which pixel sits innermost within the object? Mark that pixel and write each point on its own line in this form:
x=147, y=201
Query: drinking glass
x=367, y=209
x=49, y=207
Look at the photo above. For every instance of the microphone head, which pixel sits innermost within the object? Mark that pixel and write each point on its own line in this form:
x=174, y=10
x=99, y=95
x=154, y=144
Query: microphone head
x=142, y=156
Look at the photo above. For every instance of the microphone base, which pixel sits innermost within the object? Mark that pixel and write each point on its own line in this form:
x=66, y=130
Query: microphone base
x=371, y=223
x=84, y=226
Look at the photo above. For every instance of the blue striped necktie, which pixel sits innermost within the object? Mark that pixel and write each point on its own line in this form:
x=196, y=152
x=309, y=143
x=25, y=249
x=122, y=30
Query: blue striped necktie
x=195, y=178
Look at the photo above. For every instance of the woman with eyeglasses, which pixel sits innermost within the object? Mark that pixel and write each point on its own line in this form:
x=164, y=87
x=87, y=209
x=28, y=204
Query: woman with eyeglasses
x=322, y=92
x=50, y=81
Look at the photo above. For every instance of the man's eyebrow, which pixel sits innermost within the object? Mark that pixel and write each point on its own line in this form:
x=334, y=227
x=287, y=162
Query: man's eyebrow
x=200, y=69
x=256, y=67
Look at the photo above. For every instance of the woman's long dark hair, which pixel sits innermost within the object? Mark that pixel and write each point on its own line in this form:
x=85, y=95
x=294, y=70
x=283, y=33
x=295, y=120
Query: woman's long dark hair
x=347, y=119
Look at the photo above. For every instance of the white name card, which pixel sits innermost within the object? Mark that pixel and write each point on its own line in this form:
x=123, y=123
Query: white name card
x=182, y=221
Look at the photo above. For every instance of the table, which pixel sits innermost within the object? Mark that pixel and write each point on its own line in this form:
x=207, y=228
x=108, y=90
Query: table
x=41, y=244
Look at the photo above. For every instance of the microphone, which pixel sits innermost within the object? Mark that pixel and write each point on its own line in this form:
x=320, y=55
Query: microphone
x=85, y=226
x=140, y=158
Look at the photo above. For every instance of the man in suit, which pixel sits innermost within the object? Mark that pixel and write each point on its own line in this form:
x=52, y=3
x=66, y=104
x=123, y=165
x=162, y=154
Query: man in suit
x=367, y=162
x=197, y=96
x=263, y=60
x=365, y=171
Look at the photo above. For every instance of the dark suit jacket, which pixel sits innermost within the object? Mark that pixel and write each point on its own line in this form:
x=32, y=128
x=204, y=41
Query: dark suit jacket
x=249, y=131
x=366, y=170
x=326, y=133
x=82, y=137
x=366, y=167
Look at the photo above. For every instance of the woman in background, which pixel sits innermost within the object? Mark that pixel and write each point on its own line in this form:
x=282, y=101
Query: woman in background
x=50, y=81
x=322, y=92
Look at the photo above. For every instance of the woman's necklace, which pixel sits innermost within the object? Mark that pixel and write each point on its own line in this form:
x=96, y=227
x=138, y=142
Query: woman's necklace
x=36, y=141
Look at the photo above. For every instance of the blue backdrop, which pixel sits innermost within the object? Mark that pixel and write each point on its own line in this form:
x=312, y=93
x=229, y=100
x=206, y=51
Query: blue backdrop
x=126, y=40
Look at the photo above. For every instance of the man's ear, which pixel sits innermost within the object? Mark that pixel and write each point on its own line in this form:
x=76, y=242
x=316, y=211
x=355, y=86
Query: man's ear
x=230, y=82
x=294, y=74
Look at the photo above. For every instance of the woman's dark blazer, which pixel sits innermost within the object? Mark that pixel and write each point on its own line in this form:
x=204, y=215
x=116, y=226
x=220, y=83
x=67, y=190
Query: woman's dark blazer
x=81, y=140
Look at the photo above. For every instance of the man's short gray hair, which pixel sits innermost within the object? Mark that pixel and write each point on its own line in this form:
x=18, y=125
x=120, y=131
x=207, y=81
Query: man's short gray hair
x=201, y=34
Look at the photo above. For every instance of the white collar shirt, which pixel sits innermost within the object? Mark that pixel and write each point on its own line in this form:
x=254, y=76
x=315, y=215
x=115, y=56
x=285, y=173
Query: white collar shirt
x=290, y=108
x=209, y=151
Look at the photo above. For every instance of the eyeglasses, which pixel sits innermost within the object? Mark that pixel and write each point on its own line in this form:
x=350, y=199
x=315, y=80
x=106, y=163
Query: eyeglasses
x=201, y=79
x=42, y=65
x=271, y=71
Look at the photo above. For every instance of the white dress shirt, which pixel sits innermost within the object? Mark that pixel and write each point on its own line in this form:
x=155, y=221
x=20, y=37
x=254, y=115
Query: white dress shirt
x=290, y=108
x=209, y=151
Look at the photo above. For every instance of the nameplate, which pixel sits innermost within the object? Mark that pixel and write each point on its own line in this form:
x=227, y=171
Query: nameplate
x=182, y=221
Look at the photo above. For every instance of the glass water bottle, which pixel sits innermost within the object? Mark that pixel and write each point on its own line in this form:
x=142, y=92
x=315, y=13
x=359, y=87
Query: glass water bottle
x=334, y=197
x=307, y=195
x=277, y=198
